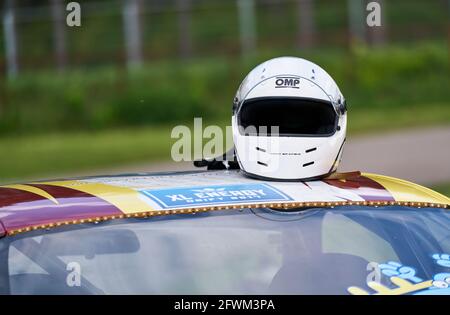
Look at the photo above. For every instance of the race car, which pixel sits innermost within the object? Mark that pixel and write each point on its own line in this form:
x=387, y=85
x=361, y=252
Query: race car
x=218, y=232
x=271, y=217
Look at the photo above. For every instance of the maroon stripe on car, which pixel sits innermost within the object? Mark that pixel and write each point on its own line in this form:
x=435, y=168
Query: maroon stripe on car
x=366, y=188
x=20, y=209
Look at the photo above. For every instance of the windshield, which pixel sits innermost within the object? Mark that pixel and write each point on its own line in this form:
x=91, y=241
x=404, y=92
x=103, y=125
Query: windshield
x=252, y=251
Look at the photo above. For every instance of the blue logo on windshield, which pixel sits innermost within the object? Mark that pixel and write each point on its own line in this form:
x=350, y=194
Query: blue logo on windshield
x=215, y=195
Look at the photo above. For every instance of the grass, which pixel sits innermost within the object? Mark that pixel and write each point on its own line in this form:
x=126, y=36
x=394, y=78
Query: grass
x=362, y=121
x=443, y=189
x=49, y=155
x=55, y=154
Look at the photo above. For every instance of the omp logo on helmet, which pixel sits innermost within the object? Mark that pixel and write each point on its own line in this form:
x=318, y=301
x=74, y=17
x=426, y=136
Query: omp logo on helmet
x=212, y=195
x=287, y=82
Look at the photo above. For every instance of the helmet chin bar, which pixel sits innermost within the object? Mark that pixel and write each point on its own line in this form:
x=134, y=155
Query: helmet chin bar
x=288, y=158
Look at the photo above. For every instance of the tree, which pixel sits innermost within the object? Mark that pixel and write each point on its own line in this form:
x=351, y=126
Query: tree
x=306, y=26
x=132, y=32
x=247, y=26
x=377, y=33
x=184, y=8
x=356, y=22
x=59, y=34
x=9, y=27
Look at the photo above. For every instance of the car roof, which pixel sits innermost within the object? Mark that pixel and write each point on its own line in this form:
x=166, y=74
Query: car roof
x=47, y=204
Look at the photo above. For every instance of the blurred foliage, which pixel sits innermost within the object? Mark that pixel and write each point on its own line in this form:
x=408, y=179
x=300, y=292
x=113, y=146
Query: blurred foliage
x=175, y=92
x=443, y=189
x=214, y=28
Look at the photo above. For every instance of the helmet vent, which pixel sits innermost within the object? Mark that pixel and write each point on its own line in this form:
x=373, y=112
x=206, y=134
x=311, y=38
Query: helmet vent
x=259, y=149
x=310, y=150
x=261, y=163
x=308, y=164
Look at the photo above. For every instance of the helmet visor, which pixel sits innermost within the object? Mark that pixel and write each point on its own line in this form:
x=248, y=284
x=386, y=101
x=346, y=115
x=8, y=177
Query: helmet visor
x=293, y=117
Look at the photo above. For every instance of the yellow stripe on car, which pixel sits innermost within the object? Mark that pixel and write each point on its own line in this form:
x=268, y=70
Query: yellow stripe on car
x=403, y=190
x=125, y=199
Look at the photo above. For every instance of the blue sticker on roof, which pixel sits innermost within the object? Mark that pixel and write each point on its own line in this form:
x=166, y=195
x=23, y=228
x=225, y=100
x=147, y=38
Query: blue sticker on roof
x=215, y=195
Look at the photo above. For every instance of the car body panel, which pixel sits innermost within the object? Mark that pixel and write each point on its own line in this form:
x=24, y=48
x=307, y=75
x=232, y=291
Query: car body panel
x=41, y=205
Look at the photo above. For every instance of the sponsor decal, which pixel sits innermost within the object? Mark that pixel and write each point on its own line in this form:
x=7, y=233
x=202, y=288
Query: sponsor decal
x=404, y=279
x=287, y=82
x=213, y=195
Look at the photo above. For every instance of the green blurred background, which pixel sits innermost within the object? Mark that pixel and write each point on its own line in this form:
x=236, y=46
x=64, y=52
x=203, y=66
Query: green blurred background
x=108, y=93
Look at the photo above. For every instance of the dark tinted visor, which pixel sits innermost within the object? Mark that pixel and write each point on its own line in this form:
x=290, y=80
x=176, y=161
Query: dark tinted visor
x=293, y=116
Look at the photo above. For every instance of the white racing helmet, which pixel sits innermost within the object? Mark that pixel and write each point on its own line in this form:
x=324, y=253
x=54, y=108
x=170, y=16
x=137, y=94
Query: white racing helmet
x=289, y=121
